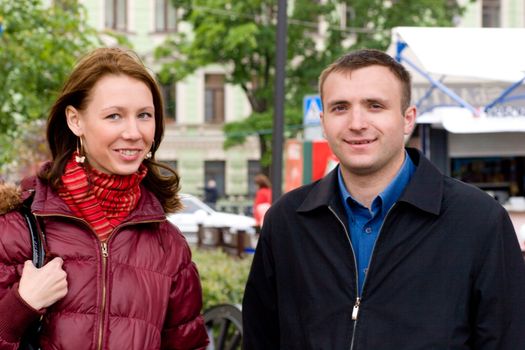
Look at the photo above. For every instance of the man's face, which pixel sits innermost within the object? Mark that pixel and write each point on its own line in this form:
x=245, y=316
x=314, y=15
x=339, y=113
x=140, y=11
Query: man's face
x=363, y=122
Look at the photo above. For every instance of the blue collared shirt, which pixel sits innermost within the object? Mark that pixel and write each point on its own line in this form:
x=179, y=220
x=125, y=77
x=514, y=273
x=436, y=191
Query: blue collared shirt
x=365, y=224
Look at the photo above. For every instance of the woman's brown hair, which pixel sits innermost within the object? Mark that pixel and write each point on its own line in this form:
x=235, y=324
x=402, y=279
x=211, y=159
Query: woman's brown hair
x=262, y=181
x=76, y=92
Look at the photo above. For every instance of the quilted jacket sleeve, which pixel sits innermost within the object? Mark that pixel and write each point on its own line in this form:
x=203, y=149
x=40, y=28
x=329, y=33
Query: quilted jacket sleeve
x=15, y=314
x=184, y=326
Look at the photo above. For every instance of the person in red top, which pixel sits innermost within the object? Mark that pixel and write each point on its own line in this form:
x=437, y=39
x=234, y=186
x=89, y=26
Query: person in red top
x=118, y=275
x=263, y=198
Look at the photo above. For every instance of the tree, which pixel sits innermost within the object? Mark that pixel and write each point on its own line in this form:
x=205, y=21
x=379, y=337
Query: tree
x=39, y=46
x=241, y=36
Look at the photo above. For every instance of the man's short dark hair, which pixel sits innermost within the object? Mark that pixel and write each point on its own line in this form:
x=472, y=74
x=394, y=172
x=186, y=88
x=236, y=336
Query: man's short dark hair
x=370, y=57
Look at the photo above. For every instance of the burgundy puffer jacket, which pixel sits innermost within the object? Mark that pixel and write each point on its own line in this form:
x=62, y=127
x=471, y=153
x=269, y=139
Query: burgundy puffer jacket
x=139, y=291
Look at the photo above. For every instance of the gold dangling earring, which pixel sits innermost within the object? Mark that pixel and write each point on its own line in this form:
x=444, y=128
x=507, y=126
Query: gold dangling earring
x=80, y=158
x=150, y=153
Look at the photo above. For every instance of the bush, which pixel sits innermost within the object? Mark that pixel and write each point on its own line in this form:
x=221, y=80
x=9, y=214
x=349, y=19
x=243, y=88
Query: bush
x=223, y=277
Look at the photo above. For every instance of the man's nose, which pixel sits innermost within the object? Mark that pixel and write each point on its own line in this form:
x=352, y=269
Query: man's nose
x=357, y=119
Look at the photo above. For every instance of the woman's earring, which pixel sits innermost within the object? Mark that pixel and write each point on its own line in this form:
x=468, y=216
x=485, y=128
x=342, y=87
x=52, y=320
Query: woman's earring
x=79, y=157
x=150, y=154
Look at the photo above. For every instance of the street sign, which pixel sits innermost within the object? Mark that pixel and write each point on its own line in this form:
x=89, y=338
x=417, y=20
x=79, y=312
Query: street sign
x=312, y=109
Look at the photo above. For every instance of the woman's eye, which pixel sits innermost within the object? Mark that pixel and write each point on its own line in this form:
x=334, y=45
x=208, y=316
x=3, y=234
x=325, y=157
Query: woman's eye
x=113, y=116
x=145, y=115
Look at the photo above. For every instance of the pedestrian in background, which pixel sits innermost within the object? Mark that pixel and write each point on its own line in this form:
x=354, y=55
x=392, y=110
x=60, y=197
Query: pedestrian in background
x=384, y=252
x=118, y=275
x=211, y=194
x=263, y=198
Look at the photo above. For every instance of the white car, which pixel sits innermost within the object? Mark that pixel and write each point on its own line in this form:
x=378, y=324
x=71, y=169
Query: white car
x=196, y=212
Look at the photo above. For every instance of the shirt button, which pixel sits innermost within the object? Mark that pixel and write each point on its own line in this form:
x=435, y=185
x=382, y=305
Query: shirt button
x=368, y=230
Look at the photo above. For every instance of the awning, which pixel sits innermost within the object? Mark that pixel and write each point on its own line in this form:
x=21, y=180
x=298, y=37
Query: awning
x=482, y=54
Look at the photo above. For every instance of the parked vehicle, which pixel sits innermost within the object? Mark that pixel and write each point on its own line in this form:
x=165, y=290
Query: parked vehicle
x=196, y=212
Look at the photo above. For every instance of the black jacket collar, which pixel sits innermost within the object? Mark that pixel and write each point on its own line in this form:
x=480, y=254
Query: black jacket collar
x=424, y=191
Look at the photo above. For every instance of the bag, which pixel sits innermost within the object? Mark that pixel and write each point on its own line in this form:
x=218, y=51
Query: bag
x=29, y=340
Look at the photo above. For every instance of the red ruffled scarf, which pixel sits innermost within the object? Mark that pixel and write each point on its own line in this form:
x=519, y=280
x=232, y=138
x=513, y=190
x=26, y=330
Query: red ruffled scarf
x=103, y=200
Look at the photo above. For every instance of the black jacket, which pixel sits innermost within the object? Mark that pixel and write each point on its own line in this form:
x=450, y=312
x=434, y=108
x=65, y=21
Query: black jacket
x=446, y=273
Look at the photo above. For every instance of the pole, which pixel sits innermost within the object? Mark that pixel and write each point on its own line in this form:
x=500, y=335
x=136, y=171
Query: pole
x=278, y=117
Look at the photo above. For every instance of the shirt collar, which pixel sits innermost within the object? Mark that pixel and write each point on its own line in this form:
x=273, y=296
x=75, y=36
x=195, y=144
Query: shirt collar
x=386, y=199
x=394, y=190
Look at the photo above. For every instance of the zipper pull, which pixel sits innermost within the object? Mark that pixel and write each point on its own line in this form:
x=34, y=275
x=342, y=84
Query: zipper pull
x=104, y=249
x=355, y=310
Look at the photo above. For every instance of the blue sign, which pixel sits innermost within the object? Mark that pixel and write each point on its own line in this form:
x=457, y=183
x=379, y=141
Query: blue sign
x=312, y=108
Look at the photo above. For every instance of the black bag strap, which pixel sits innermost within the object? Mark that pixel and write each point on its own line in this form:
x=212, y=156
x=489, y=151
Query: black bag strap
x=37, y=237
x=36, y=234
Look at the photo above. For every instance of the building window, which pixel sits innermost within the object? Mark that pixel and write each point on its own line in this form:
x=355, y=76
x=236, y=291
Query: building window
x=502, y=177
x=491, y=13
x=116, y=14
x=254, y=168
x=214, y=98
x=165, y=16
x=169, y=94
x=215, y=170
x=172, y=164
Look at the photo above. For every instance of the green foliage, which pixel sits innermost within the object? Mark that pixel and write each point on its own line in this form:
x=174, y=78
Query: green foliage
x=39, y=46
x=379, y=16
x=241, y=35
x=261, y=124
x=222, y=277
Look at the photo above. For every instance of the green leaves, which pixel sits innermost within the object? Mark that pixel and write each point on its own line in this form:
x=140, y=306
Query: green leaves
x=39, y=46
x=241, y=36
x=222, y=277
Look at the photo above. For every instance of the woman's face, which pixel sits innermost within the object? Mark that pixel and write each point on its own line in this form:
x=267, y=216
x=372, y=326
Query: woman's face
x=117, y=126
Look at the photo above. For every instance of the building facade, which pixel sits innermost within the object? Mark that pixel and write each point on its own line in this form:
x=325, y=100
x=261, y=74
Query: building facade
x=493, y=158
x=195, y=108
x=198, y=107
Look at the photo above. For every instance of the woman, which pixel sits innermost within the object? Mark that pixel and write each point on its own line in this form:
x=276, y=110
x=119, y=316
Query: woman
x=118, y=275
x=263, y=198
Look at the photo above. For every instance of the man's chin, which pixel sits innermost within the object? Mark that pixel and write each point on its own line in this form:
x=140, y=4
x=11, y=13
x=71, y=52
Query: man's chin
x=359, y=168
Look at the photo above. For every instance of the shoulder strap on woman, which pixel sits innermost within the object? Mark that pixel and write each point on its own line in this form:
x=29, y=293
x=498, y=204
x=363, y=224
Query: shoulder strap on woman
x=36, y=234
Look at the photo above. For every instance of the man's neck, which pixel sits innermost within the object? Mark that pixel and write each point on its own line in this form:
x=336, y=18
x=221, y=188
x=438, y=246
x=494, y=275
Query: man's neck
x=364, y=188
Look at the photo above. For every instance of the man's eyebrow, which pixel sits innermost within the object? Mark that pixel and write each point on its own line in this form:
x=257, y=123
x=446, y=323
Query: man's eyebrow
x=336, y=102
x=376, y=99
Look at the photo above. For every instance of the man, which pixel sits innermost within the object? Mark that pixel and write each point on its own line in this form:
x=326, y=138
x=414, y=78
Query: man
x=384, y=252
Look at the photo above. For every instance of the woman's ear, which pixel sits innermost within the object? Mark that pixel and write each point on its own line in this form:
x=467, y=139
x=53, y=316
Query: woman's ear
x=73, y=120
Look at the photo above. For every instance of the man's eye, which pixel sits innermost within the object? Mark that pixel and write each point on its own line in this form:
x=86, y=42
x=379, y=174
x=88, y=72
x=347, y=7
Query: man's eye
x=339, y=108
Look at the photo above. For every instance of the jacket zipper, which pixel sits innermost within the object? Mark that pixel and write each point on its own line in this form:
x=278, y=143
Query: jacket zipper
x=104, y=252
x=355, y=310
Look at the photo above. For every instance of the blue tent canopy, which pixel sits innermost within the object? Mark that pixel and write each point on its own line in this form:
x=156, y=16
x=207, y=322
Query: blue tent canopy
x=444, y=57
